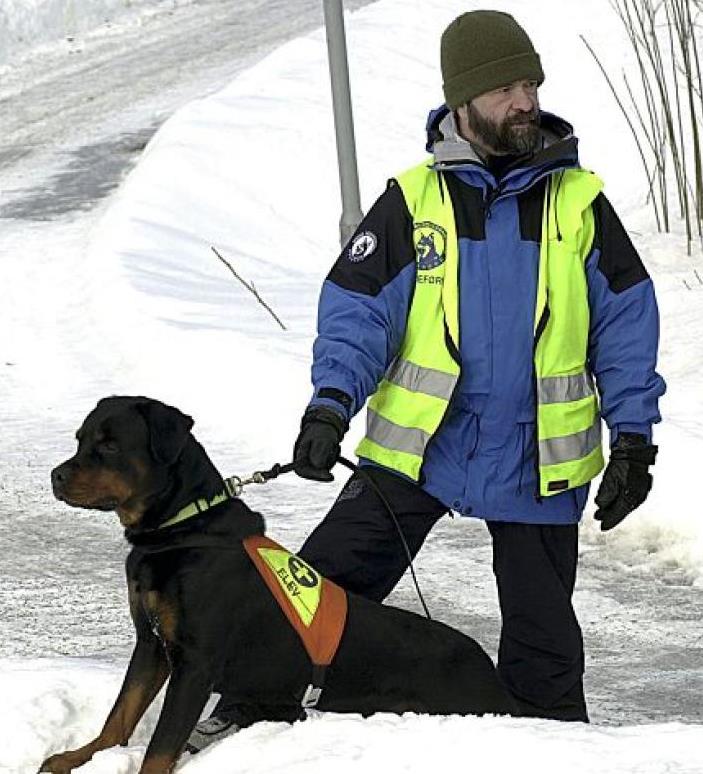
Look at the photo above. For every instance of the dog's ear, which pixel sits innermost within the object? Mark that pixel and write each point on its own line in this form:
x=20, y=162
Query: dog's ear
x=169, y=429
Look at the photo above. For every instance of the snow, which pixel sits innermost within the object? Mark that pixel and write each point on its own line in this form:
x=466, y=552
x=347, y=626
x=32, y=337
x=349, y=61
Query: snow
x=25, y=24
x=285, y=242
x=127, y=297
x=63, y=702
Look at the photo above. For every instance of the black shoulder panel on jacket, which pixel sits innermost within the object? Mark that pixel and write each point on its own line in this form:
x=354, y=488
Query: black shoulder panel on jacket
x=619, y=260
x=530, y=204
x=381, y=246
x=467, y=201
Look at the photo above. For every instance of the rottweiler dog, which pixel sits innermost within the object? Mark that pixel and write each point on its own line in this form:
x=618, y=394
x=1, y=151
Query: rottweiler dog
x=204, y=616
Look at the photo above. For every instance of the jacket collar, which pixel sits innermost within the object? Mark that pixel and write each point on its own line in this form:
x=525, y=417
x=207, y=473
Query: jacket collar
x=558, y=146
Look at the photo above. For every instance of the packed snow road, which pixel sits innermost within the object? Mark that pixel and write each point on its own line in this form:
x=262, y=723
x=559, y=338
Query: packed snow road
x=74, y=116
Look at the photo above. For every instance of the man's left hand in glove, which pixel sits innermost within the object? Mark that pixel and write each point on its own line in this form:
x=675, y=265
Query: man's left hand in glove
x=626, y=481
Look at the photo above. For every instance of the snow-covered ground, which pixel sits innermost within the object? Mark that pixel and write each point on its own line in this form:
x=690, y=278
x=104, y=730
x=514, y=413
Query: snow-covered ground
x=26, y=24
x=114, y=292
x=43, y=696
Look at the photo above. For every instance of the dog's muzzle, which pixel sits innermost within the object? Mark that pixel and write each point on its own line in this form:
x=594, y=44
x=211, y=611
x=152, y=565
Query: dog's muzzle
x=59, y=479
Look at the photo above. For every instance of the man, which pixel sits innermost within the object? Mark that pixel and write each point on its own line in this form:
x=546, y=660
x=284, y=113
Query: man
x=476, y=303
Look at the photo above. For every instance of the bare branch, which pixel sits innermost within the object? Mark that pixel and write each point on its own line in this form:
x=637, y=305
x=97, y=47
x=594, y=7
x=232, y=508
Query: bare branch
x=250, y=287
x=667, y=114
x=623, y=110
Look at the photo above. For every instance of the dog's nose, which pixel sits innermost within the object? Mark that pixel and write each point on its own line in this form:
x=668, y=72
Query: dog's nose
x=59, y=476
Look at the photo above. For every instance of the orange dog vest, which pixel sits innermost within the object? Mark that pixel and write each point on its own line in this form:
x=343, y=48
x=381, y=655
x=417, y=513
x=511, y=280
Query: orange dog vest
x=315, y=607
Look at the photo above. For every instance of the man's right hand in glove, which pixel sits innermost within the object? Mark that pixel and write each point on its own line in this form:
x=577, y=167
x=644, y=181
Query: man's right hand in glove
x=318, y=445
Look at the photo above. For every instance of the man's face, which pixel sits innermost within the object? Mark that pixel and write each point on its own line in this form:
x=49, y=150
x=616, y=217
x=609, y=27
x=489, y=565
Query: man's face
x=502, y=121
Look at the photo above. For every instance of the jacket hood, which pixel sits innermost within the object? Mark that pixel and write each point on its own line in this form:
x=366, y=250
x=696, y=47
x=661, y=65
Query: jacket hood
x=452, y=151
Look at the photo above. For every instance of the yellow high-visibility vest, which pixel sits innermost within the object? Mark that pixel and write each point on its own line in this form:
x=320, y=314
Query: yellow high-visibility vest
x=412, y=399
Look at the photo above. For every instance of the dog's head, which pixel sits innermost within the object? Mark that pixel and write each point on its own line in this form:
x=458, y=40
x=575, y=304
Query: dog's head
x=127, y=447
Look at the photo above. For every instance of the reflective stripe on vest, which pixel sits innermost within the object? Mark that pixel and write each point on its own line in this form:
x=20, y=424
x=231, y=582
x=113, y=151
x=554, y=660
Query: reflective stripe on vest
x=560, y=389
x=408, y=440
x=418, y=379
x=412, y=399
x=553, y=451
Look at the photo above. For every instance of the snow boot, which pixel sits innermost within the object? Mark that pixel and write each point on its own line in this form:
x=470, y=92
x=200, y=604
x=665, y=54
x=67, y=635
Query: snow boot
x=209, y=731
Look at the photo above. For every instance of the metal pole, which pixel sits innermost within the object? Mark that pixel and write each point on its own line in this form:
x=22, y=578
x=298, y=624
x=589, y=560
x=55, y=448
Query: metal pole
x=343, y=120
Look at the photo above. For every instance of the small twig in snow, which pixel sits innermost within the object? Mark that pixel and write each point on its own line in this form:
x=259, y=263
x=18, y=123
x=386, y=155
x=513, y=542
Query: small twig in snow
x=250, y=287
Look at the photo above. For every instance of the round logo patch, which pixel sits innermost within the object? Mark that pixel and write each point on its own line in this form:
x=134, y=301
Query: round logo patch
x=302, y=573
x=430, y=245
x=363, y=245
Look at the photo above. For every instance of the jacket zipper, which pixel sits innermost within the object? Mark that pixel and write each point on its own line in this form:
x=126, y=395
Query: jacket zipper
x=491, y=195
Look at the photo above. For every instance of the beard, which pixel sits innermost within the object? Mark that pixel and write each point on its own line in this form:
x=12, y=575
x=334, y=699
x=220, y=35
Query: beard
x=517, y=134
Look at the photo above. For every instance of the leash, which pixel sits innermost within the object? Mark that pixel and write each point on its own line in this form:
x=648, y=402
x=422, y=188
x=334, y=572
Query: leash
x=234, y=486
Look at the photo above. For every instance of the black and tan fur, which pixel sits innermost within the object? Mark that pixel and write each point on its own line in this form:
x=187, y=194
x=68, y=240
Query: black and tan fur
x=204, y=617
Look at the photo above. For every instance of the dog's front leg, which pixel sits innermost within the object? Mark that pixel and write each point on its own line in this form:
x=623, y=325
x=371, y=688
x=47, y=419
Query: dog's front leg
x=188, y=690
x=147, y=672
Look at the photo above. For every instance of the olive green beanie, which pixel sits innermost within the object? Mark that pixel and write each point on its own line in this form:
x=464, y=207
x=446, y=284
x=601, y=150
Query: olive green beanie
x=483, y=50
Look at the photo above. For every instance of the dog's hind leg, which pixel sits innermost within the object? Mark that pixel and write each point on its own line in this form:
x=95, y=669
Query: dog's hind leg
x=147, y=672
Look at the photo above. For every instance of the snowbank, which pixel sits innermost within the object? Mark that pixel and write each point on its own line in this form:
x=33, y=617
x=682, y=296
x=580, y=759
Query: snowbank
x=53, y=704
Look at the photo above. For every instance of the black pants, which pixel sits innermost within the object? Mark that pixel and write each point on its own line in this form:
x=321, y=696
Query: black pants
x=540, y=656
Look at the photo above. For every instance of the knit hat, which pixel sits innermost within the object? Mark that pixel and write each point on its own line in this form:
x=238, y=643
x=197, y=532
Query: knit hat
x=483, y=50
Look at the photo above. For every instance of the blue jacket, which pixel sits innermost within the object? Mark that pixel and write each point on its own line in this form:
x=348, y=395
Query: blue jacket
x=481, y=461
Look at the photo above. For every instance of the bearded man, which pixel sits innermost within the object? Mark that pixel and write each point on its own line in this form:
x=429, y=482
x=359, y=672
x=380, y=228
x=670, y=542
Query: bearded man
x=492, y=310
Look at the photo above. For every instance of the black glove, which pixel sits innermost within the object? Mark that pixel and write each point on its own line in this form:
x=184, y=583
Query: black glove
x=317, y=448
x=626, y=481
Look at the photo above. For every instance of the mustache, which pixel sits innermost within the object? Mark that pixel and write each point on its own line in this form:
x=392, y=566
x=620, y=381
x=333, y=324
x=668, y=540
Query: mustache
x=523, y=118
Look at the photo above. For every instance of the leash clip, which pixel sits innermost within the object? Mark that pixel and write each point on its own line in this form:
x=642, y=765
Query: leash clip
x=234, y=485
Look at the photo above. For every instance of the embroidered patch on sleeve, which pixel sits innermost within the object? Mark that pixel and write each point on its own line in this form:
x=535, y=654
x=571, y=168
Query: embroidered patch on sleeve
x=362, y=246
x=301, y=584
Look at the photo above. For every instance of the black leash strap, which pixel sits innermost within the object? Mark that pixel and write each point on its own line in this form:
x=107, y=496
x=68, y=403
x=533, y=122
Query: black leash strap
x=278, y=470
x=358, y=469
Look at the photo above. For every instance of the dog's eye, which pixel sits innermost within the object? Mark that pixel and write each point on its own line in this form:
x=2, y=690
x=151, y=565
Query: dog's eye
x=108, y=447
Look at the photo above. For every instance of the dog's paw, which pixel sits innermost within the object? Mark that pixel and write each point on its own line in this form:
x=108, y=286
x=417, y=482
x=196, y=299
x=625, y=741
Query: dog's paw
x=61, y=763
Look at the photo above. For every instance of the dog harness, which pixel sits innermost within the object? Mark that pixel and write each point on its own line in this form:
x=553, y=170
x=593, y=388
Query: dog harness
x=314, y=606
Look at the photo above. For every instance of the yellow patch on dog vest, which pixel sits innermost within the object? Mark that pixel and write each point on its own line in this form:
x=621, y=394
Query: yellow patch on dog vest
x=314, y=606
x=300, y=583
